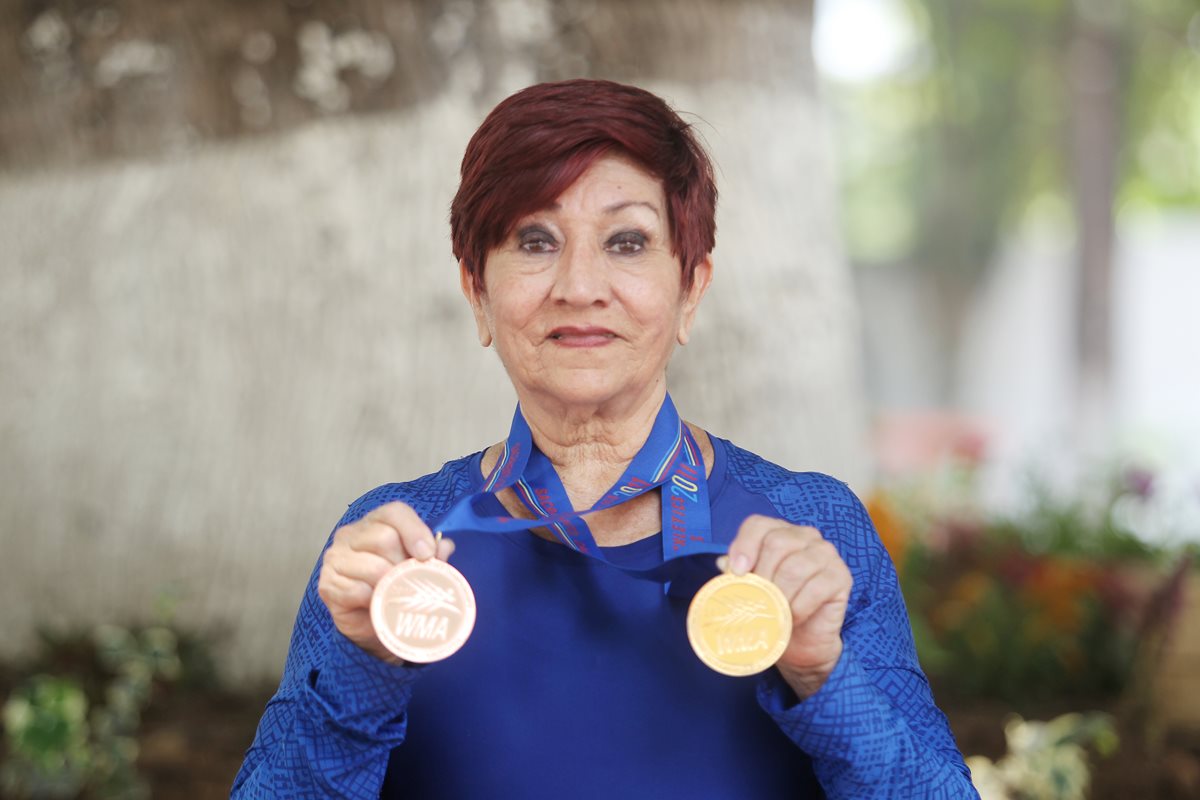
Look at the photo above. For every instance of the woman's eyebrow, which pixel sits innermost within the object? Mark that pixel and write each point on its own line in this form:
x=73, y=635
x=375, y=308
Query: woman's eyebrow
x=615, y=207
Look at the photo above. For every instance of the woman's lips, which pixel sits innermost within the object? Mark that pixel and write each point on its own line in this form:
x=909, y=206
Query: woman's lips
x=587, y=336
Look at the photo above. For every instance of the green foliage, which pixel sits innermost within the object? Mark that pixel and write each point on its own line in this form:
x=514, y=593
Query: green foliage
x=1086, y=525
x=74, y=733
x=1047, y=603
x=1161, y=162
x=1038, y=628
x=46, y=731
x=1072, y=529
x=944, y=156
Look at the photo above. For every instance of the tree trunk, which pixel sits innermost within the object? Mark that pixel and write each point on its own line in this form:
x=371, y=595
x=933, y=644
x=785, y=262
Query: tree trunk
x=1094, y=142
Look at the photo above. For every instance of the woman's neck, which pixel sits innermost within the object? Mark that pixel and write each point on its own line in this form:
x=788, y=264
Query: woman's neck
x=590, y=447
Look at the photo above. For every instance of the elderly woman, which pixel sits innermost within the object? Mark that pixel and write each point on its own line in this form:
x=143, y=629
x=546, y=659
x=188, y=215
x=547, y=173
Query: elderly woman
x=583, y=226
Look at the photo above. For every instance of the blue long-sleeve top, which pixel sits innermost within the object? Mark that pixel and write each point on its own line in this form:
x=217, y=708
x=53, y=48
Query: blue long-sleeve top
x=578, y=680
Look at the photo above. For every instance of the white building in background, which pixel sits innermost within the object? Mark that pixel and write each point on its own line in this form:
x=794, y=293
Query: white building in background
x=1016, y=374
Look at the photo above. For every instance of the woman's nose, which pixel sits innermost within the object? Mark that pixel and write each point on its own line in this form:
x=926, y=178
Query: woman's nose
x=582, y=275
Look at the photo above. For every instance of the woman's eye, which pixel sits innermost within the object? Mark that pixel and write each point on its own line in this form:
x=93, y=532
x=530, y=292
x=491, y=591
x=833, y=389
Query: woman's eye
x=536, y=243
x=627, y=243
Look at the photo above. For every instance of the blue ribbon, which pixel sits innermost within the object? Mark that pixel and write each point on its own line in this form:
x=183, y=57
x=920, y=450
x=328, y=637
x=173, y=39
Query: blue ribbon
x=670, y=458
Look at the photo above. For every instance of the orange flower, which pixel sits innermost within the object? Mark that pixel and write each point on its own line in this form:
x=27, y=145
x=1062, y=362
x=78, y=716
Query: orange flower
x=964, y=596
x=890, y=527
x=1057, y=589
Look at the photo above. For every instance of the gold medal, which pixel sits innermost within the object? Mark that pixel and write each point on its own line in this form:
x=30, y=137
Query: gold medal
x=739, y=624
x=423, y=611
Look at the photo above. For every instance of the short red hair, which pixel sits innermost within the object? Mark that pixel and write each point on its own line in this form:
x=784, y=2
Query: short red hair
x=539, y=141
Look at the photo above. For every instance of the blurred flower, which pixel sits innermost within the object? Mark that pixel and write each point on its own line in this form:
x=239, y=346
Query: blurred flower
x=970, y=589
x=970, y=446
x=1139, y=482
x=1045, y=760
x=964, y=596
x=1057, y=589
x=1115, y=595
x=889, y=525
x=1016, y=567
x=1048, y=601
x=988, y=780
x=959, y=537
x=908, y=442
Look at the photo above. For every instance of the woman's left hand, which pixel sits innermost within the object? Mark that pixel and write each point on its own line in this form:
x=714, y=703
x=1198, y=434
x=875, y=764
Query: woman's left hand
x=810, y=572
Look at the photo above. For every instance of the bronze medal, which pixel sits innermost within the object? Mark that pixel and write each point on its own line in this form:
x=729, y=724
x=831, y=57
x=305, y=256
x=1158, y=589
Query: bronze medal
x=423, y=611
x=739, y=624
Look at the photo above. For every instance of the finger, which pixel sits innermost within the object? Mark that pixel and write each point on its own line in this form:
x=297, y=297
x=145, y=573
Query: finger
x=793, y=571
x=762, y=542
x=344, y=593
x=445, y=548
x=828, y=579
x=373, y=536
x=366, y=567
x=825, y=588
x=416, y=538
x=743, y=550
x=780, y=543
x=356, y=625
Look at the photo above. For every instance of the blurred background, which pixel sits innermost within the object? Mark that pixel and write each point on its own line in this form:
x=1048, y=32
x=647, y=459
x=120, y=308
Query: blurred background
x=956, y=264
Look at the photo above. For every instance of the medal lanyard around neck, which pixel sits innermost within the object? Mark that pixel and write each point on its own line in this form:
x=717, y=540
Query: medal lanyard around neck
x=670, y=458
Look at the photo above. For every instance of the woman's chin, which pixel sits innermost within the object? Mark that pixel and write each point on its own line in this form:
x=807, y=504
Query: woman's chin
x=589, y=390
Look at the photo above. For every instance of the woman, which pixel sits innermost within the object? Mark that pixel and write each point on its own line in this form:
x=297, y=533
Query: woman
x=583, y=226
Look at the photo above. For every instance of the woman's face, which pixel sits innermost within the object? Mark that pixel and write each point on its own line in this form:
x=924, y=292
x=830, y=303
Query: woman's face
x=584, y=300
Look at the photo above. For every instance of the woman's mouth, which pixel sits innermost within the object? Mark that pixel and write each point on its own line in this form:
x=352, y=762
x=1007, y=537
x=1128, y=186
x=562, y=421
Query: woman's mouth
x=582, y=336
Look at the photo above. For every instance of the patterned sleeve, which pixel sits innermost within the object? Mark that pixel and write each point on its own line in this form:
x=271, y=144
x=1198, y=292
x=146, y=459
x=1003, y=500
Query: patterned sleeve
x=336, y=716
x=873, y=729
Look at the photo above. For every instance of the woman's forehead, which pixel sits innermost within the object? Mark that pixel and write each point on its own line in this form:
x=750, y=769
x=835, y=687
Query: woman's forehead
x=610, y=185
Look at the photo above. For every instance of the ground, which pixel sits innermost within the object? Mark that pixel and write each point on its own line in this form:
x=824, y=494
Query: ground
x=193, y=745
x=193, y=741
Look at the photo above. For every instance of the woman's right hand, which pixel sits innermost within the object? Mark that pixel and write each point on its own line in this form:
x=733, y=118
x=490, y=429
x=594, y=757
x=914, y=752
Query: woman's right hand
x=361, y=553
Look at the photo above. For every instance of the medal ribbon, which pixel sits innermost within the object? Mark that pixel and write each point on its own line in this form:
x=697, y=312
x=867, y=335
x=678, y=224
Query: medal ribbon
x=670, y=458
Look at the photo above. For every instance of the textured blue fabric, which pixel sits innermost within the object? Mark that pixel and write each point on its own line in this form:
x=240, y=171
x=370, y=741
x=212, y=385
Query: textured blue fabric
x=578, y=680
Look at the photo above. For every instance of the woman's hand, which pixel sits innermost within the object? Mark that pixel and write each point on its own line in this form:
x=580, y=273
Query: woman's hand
x=361, y=553
x=811, y=574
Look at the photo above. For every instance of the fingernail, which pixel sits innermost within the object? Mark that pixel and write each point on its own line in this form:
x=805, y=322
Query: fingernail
x=741, y=564
x=723, y=563
x=423, y=550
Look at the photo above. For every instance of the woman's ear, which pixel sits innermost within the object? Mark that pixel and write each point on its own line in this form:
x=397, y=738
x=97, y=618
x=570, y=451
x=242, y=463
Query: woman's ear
x=475, y=297
x=701, y=278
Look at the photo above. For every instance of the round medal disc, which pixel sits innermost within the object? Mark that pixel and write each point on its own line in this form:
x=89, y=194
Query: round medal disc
x=423, y=611
x=739, y=624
